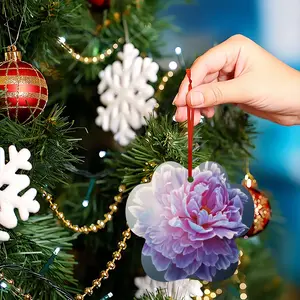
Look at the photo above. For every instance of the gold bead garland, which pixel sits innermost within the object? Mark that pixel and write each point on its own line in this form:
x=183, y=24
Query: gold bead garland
x=91, y=59
x=111, y=265
x=18, y=290
x=100, y=224
x=163, y=82
x=149, y=168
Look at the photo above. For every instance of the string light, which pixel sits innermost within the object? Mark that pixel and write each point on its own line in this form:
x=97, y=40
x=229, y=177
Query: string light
x=178, y=50
x=62, y=39
x=180, y=57
x=85, y=203
x=242, y=280
x=9, y=283
x=3, y=285
x=173, y=65
x=102, y=154
x=163, y=82
x=90, y=59
x=50, y=261
x=206, y=291
x=108, y=296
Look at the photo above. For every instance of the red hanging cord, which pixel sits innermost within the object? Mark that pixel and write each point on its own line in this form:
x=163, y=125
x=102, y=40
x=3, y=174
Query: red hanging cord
x=190, y=121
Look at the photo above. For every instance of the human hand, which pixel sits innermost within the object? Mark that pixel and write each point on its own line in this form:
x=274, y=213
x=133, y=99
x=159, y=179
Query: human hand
x=239, y=71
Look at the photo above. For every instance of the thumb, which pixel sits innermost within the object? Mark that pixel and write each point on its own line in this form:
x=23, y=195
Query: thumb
x=212, y=94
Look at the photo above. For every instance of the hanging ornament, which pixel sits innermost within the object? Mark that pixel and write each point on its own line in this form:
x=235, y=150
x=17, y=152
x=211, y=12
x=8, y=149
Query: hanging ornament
x=26, y=91
x=189, y=226
x=185, y=289
x=11, y=185
x=262, y=207
x=103, y=4
x=127, y=95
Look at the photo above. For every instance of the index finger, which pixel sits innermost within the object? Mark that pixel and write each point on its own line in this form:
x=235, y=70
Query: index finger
x=221, y=57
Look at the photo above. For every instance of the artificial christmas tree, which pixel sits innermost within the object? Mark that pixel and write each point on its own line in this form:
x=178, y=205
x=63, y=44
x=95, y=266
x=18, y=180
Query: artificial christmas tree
x=79, y=246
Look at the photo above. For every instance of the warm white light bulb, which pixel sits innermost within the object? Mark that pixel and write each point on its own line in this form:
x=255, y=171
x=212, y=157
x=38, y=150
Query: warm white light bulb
x=178, y=50
x=173, y=65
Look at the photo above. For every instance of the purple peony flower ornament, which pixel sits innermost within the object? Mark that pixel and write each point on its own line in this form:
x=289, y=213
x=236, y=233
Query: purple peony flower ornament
x=189, y=227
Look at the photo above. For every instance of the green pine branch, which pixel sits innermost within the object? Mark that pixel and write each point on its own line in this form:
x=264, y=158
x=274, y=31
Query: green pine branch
x=43, y=22
x=226, y=139
x=230, y=135
x=50, y=143
x=31, y=245
x=159, y=295
x=163, y=141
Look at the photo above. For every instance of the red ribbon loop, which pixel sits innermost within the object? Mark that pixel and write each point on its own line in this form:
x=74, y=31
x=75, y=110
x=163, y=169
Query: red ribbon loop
x=190, y=121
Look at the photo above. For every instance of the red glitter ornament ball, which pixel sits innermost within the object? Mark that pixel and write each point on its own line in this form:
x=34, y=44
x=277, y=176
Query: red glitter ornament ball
x=262, y=207
x=26, y=91
x=101, y=3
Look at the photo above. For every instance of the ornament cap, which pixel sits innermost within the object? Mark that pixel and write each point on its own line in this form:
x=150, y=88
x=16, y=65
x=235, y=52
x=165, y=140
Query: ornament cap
x=12, y=53
x=249, y=181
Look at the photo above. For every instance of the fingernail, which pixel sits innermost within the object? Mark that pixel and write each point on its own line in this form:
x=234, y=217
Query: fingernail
x=197, y=99
x=175, y=99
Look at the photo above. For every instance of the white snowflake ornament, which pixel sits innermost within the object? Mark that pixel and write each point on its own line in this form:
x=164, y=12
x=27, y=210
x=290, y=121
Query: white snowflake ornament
x=11, y=185
x=127, y=95
x=185, y=289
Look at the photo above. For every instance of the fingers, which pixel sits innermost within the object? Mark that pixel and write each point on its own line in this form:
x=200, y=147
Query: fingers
x=208, y=112
x=181, y=115
x=212, y=94
x=221, y=57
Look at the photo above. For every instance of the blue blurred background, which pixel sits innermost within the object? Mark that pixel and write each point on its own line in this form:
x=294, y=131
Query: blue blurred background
x=275, y=25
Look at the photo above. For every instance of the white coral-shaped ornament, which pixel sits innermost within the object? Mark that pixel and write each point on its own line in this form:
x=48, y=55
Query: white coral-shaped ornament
x=126, y=94
x=12, y=184
x=185, y=289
